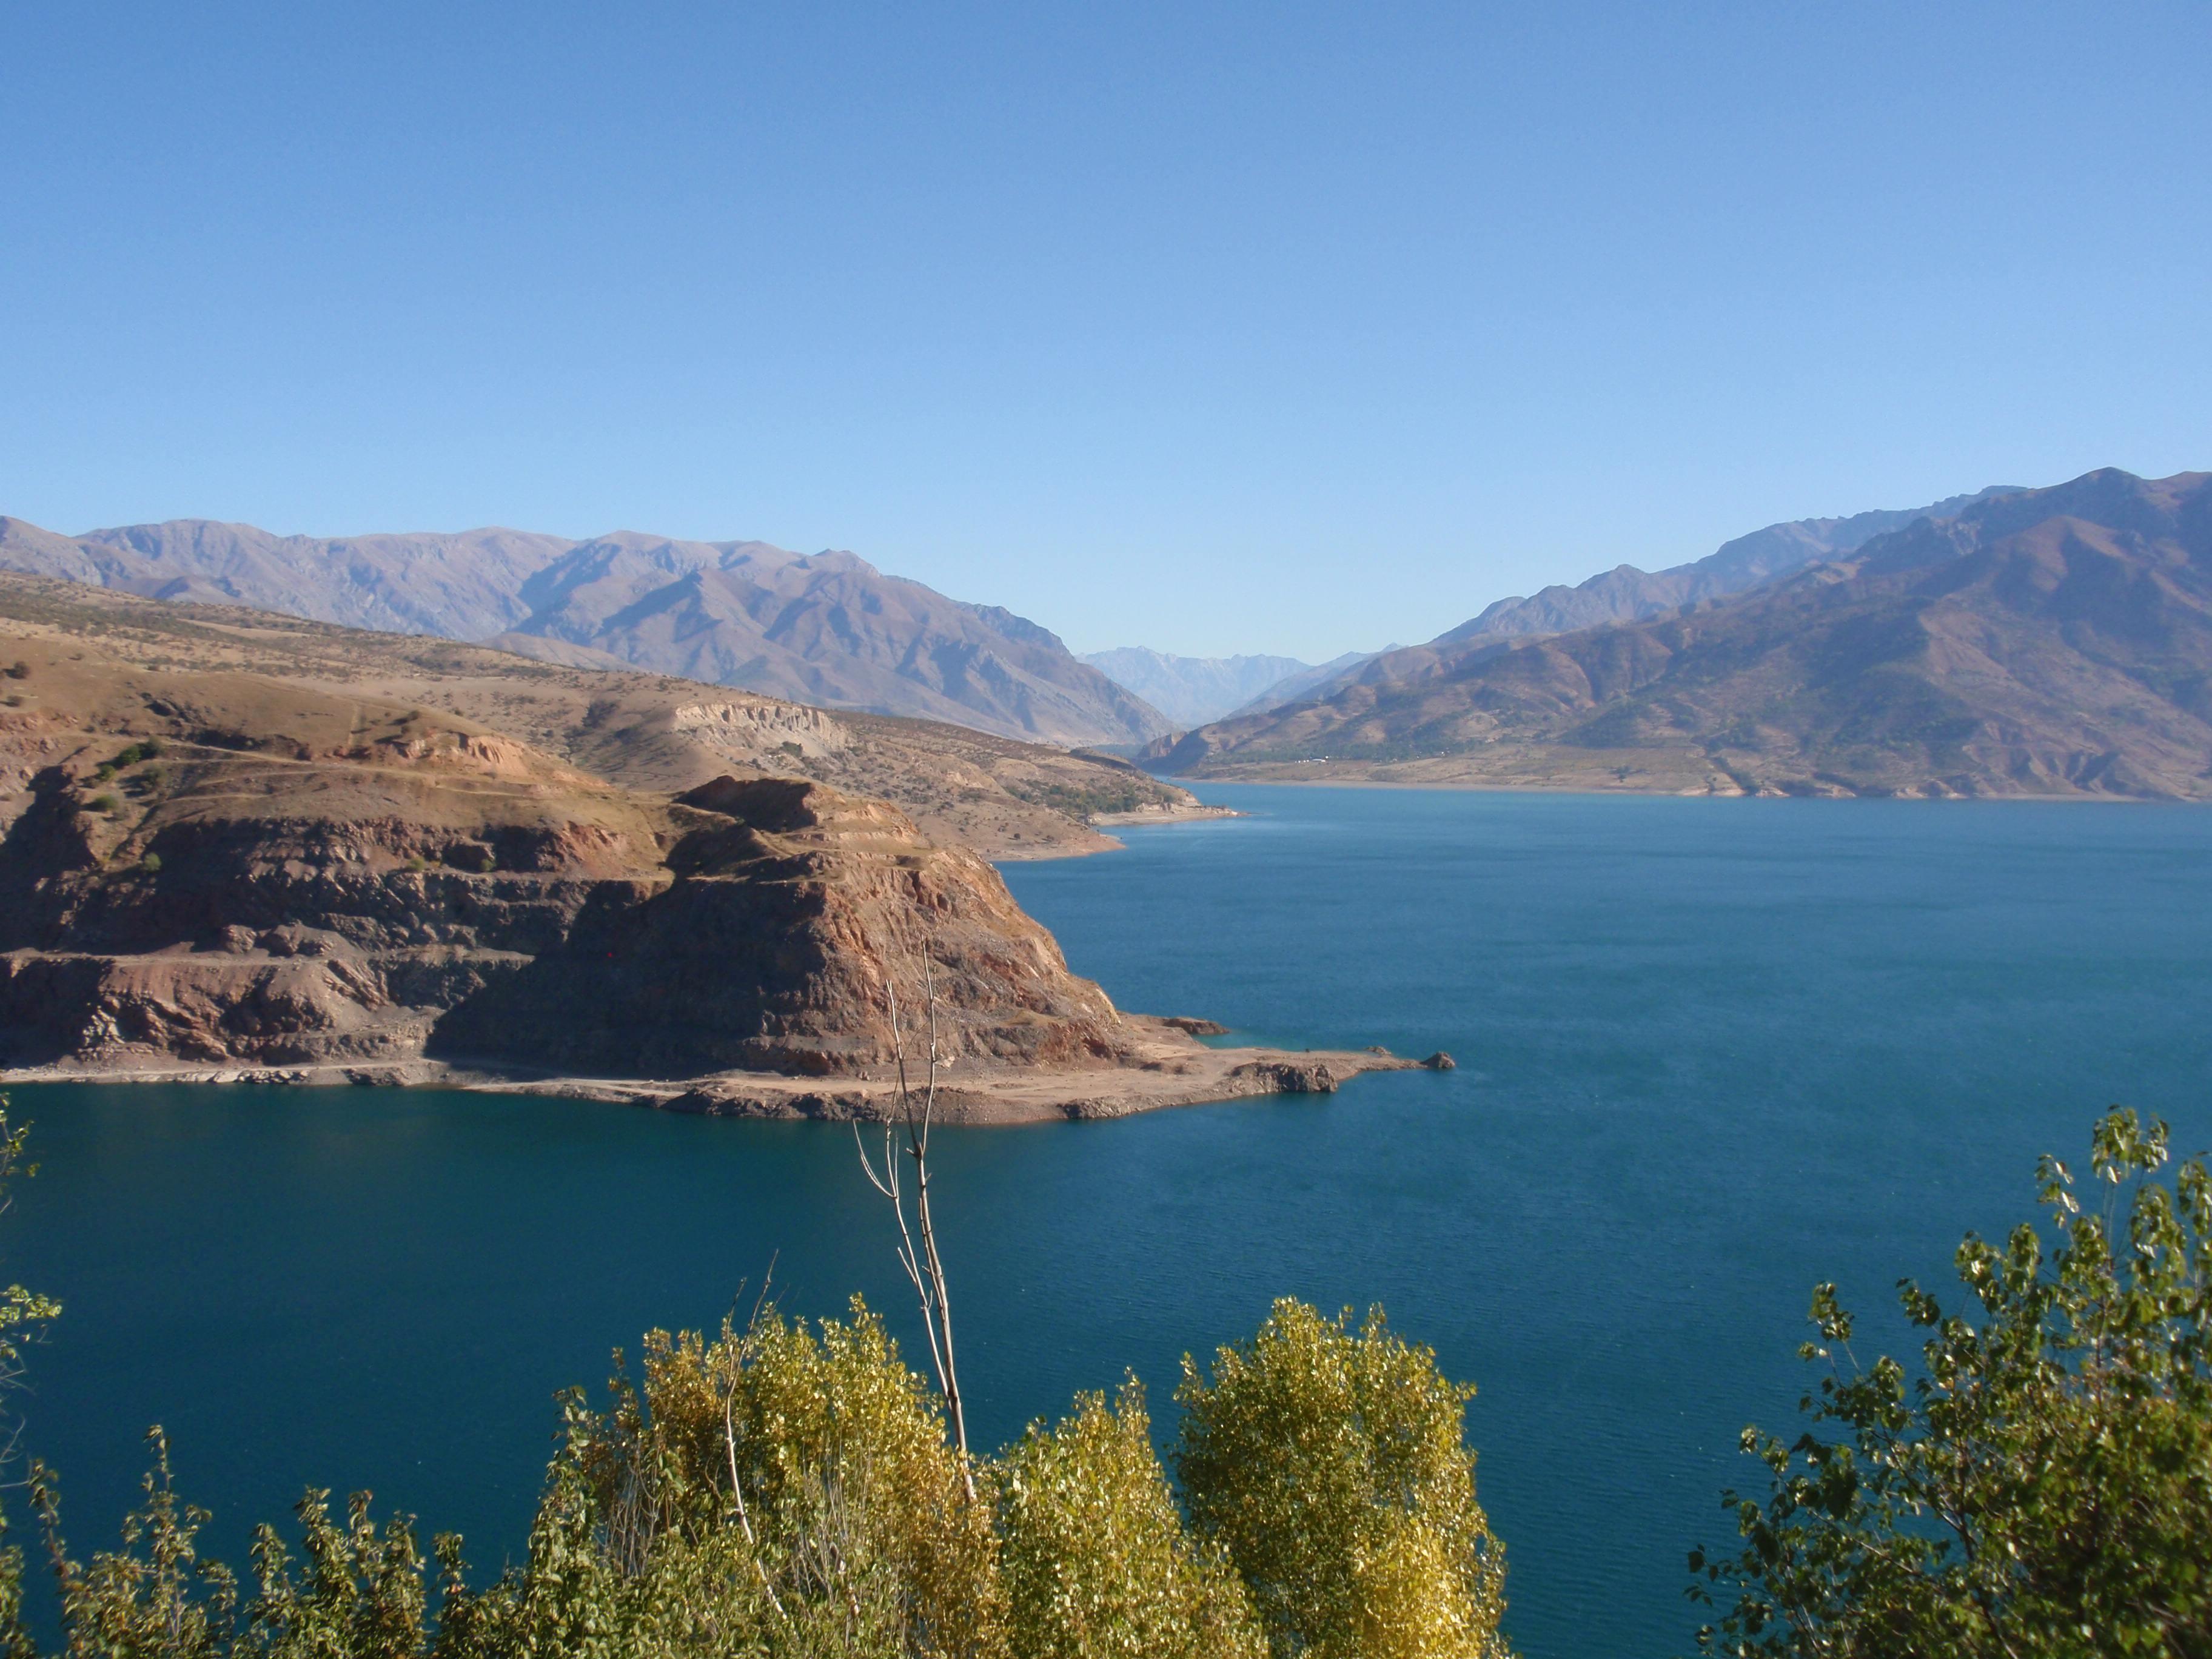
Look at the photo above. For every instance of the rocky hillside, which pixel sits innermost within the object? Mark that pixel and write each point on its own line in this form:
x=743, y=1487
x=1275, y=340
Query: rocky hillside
x=830, y=630
x=2049, y=641
x=1626, y=594
x=996, y=797
x=221, y=866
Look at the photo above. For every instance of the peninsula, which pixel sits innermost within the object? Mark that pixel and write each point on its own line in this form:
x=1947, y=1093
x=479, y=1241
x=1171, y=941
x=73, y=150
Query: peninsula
x=240, y=871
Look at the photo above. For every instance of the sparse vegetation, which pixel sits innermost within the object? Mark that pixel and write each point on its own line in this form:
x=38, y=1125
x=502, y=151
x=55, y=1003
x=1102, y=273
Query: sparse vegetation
x=1112, y=793
x=104, y=802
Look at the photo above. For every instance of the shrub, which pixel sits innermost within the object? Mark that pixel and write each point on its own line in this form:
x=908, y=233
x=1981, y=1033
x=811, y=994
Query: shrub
x=2044, y=1486
x=104, y=804
x=151, y=864
x=1093, y=1554
x=779, y=1490
x=17, y=671
x=1331, y=1467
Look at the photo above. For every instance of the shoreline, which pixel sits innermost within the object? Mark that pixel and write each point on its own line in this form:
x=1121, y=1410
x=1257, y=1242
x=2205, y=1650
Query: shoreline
x=2078, y=798
x=1167, y=1066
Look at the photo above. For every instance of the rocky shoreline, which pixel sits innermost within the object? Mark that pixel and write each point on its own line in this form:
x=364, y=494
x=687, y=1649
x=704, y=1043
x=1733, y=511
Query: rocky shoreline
x=1166, y=1067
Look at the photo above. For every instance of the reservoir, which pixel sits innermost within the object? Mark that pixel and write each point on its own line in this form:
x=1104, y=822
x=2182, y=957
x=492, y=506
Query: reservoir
x=1709, y=1053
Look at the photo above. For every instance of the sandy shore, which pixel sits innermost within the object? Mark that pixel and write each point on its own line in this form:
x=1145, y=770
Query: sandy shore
x=1167, y=1066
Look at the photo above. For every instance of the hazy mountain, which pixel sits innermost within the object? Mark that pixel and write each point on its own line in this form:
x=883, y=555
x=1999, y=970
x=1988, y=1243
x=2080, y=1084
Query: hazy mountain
x=1192, y=691
x=831, y=629
x=1626, y=594
x=2045, y=642
x=1292, y=687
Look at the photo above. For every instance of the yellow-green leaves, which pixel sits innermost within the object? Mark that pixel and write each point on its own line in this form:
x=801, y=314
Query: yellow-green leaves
x=1093, y=1550
x=1331, y=1467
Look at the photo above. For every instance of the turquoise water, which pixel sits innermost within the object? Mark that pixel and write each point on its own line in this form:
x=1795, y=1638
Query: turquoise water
x=1709, y=1052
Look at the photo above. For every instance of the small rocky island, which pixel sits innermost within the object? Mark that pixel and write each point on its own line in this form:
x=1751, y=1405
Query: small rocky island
x=226, y=875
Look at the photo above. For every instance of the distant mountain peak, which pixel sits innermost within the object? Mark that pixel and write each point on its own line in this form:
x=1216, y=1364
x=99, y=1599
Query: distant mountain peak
x=1192, y=691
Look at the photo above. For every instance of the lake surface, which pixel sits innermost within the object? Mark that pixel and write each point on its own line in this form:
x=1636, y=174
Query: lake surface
x=1709, y=1053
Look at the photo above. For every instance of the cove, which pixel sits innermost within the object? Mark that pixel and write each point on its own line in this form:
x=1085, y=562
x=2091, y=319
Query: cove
x=1709, y=1053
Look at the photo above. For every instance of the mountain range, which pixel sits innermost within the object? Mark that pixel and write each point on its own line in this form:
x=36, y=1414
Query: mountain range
x=2017, y=642
x=827, y=629
x=1192, y=691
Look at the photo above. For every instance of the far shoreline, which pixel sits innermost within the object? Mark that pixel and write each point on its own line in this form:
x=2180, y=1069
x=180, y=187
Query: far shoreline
x=2079, y=797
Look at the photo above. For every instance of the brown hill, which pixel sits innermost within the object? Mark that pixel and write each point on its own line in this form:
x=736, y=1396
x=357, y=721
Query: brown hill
x=831, y=630
x=997, y=797
x=1626, y=594
x=295, y=876
x=2050, y=642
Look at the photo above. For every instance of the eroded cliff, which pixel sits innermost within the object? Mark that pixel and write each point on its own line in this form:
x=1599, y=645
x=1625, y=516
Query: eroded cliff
x=220, y=868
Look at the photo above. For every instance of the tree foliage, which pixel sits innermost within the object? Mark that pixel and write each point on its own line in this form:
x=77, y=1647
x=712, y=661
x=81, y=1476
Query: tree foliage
x=2043, y=1485
x=790, y=1491
x=1331, y=1466
x=1093, y=1552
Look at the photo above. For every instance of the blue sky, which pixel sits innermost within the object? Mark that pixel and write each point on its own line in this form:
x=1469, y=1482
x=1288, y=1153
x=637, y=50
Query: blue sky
x=1286, y=329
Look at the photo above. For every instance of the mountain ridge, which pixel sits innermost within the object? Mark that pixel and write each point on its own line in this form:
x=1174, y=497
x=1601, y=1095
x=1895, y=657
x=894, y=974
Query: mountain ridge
x=1626, y=593
x=828, y=628
x=2045, y=642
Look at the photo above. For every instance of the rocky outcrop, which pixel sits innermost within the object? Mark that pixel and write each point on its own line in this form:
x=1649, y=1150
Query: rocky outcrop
x=220, y=868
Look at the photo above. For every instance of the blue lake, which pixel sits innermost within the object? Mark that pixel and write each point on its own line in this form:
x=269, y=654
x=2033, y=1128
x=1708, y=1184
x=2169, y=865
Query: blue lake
x=1709, y=1052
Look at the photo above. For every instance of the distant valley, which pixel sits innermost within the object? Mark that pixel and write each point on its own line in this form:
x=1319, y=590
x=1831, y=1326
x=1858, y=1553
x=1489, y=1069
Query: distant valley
x=1192, y=691
x=828, y=630
x=2018, y=641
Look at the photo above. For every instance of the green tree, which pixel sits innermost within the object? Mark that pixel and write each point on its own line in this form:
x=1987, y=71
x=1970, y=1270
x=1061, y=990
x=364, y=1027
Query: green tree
x=23, y=1315
x=1093, y=1554
x=2044, y=1486
x=152, y=1599
x=780, y=1491
x=1333, y=1467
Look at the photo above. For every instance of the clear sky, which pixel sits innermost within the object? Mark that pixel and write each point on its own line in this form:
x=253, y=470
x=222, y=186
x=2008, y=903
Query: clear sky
x=1273, y=328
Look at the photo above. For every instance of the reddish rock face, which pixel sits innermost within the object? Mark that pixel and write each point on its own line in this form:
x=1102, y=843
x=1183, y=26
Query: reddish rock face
x=297, y=880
